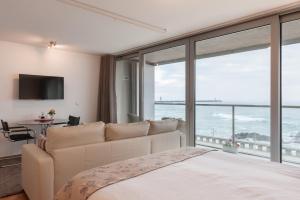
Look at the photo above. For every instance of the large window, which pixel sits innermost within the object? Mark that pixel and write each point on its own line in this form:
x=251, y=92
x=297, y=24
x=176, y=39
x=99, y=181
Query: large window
x=233, y=91
x=164, y=84
x=238, y=83
x=291, y=91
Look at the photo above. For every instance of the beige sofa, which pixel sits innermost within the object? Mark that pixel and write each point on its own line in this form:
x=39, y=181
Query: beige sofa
x=70, y=150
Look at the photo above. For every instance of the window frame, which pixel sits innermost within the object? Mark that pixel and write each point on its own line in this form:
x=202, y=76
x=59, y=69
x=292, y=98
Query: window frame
x=275, y=20
x=281, y=20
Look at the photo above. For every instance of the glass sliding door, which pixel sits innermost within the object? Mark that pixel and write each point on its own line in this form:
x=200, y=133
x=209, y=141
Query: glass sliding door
x=233, y=91
x=165, y=84
x=290, y=91
x=127, y=90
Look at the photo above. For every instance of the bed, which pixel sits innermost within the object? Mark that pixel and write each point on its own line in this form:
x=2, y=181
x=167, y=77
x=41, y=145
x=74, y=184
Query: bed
x=190, y=173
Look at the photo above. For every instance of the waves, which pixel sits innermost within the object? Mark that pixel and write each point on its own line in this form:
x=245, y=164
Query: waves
x=218, y=120
x=241, y=118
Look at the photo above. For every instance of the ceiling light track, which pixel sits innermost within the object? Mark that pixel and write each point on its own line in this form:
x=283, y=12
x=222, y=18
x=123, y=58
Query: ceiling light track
x=116, y=16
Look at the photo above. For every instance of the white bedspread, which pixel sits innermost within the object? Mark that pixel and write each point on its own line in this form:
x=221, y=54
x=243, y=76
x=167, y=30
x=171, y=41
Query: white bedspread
x=215, y=175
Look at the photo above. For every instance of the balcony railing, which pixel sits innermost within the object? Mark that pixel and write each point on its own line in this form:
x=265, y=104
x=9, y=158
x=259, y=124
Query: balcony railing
x=260, y=148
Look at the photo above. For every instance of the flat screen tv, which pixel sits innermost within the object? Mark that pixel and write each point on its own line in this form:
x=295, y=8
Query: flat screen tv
x=40, y=87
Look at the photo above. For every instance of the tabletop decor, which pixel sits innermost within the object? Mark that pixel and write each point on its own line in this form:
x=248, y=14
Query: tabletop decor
x=51, y=113
x=42, y=116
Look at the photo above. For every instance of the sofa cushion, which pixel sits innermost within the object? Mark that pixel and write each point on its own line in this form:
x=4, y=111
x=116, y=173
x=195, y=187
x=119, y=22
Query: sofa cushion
x=70, y=161
x=62, y=137
x=165, y=141
x=124, y=131
x=181, y=123
x=130, y=148
x=162, y=126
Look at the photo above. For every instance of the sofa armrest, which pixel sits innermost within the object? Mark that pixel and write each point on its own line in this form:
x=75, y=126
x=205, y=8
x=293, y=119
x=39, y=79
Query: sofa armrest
x=37, y=173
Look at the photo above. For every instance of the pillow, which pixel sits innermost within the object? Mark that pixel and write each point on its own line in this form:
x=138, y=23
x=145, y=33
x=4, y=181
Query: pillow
x=162, y=126
x=124, y=131
x=62, y=137
x=181, y=124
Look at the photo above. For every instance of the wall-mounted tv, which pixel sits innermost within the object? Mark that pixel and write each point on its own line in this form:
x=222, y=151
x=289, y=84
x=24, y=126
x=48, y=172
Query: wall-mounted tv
x=40, y=87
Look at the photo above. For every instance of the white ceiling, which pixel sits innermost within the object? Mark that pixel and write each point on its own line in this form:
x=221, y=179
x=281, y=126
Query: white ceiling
x=36, y=22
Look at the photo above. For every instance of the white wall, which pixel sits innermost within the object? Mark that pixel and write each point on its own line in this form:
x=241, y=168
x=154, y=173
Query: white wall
x=149, y=91
x=81, y=77
x=122, y=90
x=80, y=72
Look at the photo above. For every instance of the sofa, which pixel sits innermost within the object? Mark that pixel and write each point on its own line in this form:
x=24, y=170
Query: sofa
x=70, y=150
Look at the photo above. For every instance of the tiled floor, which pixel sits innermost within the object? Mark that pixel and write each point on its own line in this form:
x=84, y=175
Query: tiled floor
x=20, y=196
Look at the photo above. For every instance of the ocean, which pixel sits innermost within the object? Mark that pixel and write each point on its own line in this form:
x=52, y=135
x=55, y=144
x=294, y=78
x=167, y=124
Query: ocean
x=216, y=121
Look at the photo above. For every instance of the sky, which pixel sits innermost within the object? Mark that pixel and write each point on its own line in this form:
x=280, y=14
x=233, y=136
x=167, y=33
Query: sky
x=235, y=78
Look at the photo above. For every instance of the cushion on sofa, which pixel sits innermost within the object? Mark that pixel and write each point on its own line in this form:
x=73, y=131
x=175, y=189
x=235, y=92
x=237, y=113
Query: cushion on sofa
x=165, y=141
x=181, y=126
x=162, y=126
x=62, y=137
x=124, y=131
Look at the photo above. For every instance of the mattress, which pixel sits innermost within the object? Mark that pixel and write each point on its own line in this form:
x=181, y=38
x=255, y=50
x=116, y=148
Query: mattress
x=213, y=175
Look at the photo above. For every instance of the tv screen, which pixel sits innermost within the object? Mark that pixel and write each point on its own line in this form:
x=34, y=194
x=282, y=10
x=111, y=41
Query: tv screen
x=40, y=87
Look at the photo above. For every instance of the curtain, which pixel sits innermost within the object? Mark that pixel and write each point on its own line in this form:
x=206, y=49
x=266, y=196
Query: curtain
x=107, y=107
